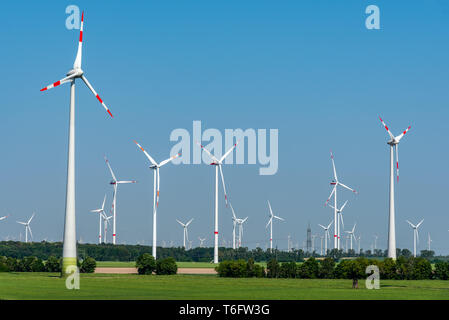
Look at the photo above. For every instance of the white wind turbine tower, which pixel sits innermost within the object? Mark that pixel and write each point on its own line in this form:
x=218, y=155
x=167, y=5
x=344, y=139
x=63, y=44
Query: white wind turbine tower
x=375, y=241
x=326, y=235
x=351, y=234
x=155, y=167
x=186, y=234
x=335, y=182
x=101, y=215
x=115, y=184
x=69, y=242
x=415, y=234
x=270, y=222
x=394, y=143
x=429, y=240
x=106, y=223
x=27, y=227
x=218, y=164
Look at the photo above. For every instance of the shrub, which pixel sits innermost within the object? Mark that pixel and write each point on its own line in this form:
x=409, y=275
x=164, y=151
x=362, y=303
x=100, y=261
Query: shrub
x=145, y=264
x=166, y=266
x=442, y=270
x=327, y=268
x=273, y=268
x=53, y=264
x=310, y=269
x=419, y=269
x=288, y=270
x=234, y=269
x=88, y=265
x=387, y=269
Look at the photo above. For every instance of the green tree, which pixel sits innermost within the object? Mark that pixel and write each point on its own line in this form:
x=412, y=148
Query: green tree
x=288, y=270
x=310, y=269
x=53, y=264
x=145, y=264
x=387, y=269
x=327, y=268
x=88, y=265
x=273, y=268
x=442, y=270
x=166, y=266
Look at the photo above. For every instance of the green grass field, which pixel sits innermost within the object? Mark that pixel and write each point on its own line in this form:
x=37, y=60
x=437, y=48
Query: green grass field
x=105, y=286
x=131, y=264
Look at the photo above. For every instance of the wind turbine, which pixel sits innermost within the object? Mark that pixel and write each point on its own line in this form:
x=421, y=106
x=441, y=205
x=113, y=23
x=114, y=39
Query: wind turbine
x=326, y=235
x=394, y=144
x=237, y=222
x=340, y=217
x=101, y=215
x=270, y=222
x=201, y=241
x=155, y=167
x=186, y=235
x=27, y=227
x=115, y=184
x=218, y=164
x=69, y=242
x=106, y=223
x=375, y=241
x=351, y=234
x=415, y=234
x=335, y=182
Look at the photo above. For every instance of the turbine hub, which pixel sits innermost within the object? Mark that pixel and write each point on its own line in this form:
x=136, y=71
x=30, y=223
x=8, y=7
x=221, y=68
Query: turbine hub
x=78, y=72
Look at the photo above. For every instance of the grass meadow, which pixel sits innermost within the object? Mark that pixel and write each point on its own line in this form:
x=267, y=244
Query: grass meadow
x=26, y=286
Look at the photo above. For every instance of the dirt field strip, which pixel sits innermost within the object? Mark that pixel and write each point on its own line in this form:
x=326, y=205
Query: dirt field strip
x=134, y=270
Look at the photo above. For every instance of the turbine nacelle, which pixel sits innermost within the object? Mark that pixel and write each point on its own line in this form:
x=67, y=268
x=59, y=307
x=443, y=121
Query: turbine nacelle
x=75, y=73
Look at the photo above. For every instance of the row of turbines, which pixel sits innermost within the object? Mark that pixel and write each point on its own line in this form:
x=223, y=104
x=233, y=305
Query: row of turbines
x=69, y=241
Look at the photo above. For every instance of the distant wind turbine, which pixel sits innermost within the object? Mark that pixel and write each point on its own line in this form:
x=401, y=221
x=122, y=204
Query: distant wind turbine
x=186, y=234
x=415, y=234
x=270, y=222
x=101, y=215
x=326, y=235
x=27, y=227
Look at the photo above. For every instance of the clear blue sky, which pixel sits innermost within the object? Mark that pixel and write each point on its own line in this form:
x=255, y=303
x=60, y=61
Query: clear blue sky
x=308, y=68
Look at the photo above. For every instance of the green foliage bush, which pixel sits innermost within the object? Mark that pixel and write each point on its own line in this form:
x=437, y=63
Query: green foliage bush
x=146, y=264
x=166, y=266
x=442, y=270
x=53, y=264
x=310, y=269
x=288, y=270
x=233, y=269
x=88, y=265
x=273, y=269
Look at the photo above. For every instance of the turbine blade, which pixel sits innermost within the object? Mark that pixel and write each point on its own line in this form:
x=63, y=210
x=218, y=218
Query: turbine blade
x=322, y=226
x=341, y=209
x=224, y=185
x=57, y=83
x=397, y=161
x=345, y=186
x=158, y=183
x=269, y=221
x=232, y=209
x=96, y=94
x=187, y=224
x=228, y=152
x=208, y=152
x=330, y=224
x=417, y=226
x=399, y=137
x=169, y=159
x=146, y=154
x=110, y=169
x=77, y=63
x=126, y=181
x=104, y=200
x=29, y=229
x=388, y=130
x=333, y=166
x=330, y=196
x=271, y=211
x=411, y=224
x=182, y=224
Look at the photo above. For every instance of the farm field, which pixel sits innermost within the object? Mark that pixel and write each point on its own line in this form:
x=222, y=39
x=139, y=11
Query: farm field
x=132, y=264
x=207, y=287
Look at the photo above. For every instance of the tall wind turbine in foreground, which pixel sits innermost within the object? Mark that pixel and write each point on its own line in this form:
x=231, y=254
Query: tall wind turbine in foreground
x=394, y=144
x=326, y=235
x=27, y=228
x=102, y=216
x=415, y=234
x=270, y=222
x=69, y=246
x=336, y=183
x=186, y=234
x=155, y=166
x=115, y=183
x=218, y=164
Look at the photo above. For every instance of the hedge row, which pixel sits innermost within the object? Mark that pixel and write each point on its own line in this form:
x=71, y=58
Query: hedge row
x=146, y=264
x=34, y=264
x=400, y=269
